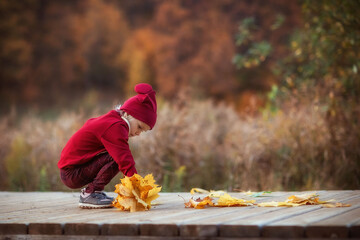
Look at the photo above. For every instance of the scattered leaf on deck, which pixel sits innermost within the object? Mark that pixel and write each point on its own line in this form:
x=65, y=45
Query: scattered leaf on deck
x=302, y=199
x=227, y=201
x=198, y=190
x=211, y=193
x=199, y=203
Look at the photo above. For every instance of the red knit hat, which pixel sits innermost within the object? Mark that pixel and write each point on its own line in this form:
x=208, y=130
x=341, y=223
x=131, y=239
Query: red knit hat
x=142, y=106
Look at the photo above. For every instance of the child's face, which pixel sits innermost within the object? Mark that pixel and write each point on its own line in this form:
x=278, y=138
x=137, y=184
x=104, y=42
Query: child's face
x=137, y=127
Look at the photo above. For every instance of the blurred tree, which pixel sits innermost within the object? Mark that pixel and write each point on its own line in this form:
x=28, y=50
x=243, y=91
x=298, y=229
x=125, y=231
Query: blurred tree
x=322, y=70
x=52, y=51
x=17, y=25
x=81, y=43
x=327, y=61
x=137, y=58
x=193, y=44
x=326, y=50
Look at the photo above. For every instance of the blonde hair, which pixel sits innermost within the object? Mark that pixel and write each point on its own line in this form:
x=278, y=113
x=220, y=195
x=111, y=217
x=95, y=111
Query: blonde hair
x=122, y=112
x=117, y=108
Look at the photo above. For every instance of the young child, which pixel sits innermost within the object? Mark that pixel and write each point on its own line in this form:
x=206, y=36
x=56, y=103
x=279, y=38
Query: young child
x=100, y=149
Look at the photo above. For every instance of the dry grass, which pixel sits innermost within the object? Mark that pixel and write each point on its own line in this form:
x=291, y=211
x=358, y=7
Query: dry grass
x=199, y=144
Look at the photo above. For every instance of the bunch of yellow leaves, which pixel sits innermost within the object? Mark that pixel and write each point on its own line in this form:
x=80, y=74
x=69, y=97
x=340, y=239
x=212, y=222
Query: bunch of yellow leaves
x=136, y=193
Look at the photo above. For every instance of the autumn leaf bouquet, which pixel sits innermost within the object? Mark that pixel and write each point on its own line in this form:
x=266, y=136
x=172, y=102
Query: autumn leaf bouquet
x=136, y=193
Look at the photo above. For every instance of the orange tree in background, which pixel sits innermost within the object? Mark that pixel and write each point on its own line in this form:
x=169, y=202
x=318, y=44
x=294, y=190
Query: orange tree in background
x=192, y=44
x=52, y=51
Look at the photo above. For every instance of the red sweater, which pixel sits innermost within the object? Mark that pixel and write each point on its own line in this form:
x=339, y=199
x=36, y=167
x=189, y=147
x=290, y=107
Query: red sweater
x=109, y=133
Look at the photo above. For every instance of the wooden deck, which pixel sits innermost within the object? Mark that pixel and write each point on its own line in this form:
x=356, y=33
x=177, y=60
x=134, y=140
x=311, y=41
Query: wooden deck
x=37, y=215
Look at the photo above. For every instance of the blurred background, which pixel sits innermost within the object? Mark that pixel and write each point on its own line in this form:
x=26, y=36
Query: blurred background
x=252, y=95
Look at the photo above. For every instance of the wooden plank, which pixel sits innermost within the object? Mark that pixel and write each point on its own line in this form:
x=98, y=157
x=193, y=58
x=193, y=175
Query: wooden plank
x=49, y=210
x=81, y=229
x=80, y=215
x=182, y=215
x=36, y=214
x=29, y=202
x=170, y=222
x=237, y=213
x=125, y=229
x=337, y=226
x=189, y=216
x=36, y=207
x=355, y=230
x=13, y=228
x=280, y=228
x=240, y=227
x=204, y=225
x=31, y=197
x=45, y=229
x=167, y=220
x=171, y=206
x=168, y=230
x=68, y=210
x=196, y=230
x=251, y=226
x=110, y=215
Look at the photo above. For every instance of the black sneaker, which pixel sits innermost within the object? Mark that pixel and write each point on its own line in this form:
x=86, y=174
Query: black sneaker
x=95, y=200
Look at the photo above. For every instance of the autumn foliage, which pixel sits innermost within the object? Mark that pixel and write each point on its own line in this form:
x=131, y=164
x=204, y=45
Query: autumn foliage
x=136, y=193
x=260, y=94
x=225, y=200
x=53, y=50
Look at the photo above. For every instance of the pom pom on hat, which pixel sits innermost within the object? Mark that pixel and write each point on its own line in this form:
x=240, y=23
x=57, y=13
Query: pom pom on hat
x=143, y=88
x=142, y=106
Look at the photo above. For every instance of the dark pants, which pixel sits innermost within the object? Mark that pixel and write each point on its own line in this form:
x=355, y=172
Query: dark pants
x=96, y=173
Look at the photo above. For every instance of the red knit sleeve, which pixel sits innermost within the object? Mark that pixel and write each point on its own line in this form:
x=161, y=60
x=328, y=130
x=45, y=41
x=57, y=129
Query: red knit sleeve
x=115, y=140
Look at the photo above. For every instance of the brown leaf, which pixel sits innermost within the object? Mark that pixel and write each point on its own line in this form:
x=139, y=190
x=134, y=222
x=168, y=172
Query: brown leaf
x=199, y=203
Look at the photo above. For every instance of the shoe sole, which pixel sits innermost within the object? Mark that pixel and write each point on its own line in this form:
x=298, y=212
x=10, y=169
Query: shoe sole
x=92, y=206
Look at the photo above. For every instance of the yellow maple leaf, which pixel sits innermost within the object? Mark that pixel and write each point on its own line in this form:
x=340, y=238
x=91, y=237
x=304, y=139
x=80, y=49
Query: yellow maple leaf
x=139, y=200
x=227, y=201
x=304, y=199
x=123, y=191
x=211, y=193
x=136, y=193
x=216, y=194
x=149, y=179
x=126, y=203
x=198, y=190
